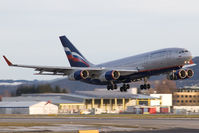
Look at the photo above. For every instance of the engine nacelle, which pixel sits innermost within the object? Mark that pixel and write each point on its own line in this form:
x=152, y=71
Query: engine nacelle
x=180, y=74
x=190, y=73
x=78, y=75
x=110, y=75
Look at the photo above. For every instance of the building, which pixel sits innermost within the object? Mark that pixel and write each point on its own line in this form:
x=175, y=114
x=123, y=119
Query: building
x=100, y=100
x=67, y=103
x=28, y=108
x=186, y=99
x=166, y=100
x=114, y=101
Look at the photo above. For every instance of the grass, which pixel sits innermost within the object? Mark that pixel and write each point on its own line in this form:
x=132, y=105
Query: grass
x=28, y=124
x=126, y=116
x=131, y=116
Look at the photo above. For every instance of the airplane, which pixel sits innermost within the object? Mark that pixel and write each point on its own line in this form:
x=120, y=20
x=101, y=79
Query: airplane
x=169, y=61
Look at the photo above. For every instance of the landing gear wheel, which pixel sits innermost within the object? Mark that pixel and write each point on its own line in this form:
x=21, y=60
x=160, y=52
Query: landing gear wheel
x=124, y=88
x=121, y=89
x=111, y=86
x=148, y=86
x=128, y=86
x=145, y=86
x=141, y=87
x=108, y=87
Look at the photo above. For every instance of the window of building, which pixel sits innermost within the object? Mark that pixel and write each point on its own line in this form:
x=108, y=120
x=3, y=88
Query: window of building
x=182, y=101
x=190, y=96
x=190, y=101
x=182, y=96
x=186, y=101
x=178, y=101
x=186, y=96
x=194, y=101
x=194, y=96
x=177, y=95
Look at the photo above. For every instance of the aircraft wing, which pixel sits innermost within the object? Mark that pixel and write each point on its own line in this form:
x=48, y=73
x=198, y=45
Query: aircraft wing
x=52, y=70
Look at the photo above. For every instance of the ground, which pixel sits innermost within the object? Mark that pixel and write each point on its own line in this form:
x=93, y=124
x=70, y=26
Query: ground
x=103, y=123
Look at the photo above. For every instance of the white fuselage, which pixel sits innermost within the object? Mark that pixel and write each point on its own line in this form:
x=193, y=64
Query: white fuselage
x=159, y=59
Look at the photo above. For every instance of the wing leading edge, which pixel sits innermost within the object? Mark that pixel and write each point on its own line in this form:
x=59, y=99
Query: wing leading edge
x=65, y=71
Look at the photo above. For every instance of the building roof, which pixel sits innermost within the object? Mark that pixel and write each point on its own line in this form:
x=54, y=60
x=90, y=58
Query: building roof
x=77, y=97
x=113, y=94
x=38, y=98
x=191, y=87
x=17, y=104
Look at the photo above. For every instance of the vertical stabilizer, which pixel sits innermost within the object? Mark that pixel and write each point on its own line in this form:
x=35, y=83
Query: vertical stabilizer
x=75, y=58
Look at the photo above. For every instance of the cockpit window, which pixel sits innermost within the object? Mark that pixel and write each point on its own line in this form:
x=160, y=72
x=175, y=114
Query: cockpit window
x=183, y=51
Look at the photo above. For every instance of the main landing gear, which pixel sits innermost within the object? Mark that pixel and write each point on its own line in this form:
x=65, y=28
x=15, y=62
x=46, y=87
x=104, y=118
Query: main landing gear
x=145, y=85
x=112, y=86
x=124, y=88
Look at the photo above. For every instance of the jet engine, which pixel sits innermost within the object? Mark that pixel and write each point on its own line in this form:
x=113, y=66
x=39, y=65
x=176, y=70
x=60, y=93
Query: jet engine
x=190, y=73
x=110, y=75
x=180, y=74
x=78, y=75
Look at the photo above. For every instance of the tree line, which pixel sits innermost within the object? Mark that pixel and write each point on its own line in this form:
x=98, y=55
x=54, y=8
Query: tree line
x=46, y=88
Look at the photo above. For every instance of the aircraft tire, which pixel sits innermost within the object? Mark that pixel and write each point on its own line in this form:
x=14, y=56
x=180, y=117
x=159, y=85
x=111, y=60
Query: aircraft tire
x=121, y=89
x=148, y=86
x=127, y=86
x=141, y=87
x=108, y=87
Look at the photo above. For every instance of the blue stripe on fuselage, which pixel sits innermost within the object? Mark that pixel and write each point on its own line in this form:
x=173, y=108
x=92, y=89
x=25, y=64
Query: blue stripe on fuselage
x=127, y=79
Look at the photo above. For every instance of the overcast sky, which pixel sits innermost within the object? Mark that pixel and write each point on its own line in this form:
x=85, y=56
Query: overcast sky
x=102, y=30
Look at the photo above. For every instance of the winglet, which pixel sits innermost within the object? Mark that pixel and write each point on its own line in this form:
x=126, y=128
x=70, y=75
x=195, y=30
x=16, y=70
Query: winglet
x=7, y=61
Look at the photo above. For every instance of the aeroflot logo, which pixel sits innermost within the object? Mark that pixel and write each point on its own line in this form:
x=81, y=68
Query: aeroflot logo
x=74, y=56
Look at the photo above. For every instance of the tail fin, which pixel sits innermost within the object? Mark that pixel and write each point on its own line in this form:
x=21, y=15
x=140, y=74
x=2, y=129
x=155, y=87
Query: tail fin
x=75, y=58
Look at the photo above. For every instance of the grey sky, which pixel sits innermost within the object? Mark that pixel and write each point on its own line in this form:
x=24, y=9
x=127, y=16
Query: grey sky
x=102, y=30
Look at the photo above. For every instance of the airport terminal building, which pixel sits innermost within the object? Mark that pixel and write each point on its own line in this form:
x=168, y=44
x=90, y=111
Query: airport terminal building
x=103, y=101
x=98, y=101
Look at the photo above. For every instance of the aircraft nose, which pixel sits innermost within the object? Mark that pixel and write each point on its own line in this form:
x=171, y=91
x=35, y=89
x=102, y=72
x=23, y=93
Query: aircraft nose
x=189, y=55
